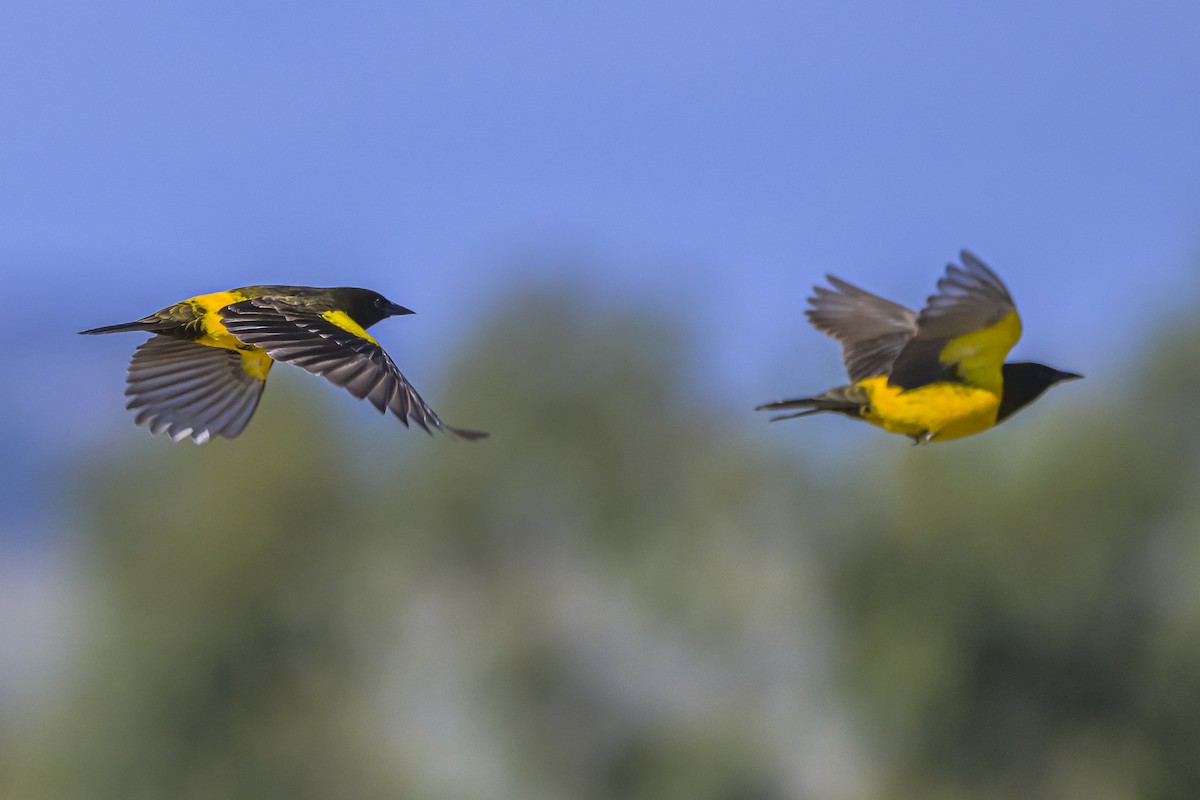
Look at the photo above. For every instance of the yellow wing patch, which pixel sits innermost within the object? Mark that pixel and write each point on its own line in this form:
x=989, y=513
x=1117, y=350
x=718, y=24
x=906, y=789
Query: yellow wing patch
x=256, y=363
x=979, y=355
x=208, y=308
x=343, y=321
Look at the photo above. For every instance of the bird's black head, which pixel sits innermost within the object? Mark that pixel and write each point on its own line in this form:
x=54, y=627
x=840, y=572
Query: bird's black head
x=366, y=307
x=1025, y=382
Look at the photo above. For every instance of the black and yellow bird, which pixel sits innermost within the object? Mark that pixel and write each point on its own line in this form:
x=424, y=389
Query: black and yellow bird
x=933, y=376
x=203, y=372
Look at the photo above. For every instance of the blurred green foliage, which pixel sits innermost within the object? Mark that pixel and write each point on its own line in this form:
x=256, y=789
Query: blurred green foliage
x=635, y=591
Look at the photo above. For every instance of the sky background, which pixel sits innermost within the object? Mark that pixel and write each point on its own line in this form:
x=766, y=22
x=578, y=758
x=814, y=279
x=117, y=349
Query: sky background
x=708, y=160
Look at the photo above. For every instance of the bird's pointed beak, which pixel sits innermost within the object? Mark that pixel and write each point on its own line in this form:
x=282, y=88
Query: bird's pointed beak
x=394, y=310
x=1068, y=376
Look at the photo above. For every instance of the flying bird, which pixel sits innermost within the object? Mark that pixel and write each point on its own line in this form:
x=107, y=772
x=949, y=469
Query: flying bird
x=933, y=376
x=203, y=371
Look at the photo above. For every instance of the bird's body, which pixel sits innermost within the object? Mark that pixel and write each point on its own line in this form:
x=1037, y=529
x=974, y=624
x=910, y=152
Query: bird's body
x=933, y=376
x=951, y=410
x=203, y=371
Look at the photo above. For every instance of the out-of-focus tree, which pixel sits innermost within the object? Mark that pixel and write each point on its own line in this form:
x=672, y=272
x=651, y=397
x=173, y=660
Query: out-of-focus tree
x=625, y=568
x=633, y=591
x=216, y=662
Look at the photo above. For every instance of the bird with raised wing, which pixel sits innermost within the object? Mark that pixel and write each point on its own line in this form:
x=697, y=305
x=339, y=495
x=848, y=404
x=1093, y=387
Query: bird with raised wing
x=932, y=376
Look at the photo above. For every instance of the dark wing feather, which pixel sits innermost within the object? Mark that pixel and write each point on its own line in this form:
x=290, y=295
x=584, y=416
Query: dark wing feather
x=871, y=330
x=358, y=365
x=969, y=298
x=184, y=389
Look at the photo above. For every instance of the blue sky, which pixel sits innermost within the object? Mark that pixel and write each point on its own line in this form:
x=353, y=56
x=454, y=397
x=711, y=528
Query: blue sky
x=714, y=159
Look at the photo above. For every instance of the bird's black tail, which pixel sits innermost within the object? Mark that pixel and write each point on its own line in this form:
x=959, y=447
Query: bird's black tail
x=847, y=400
x=140, y=325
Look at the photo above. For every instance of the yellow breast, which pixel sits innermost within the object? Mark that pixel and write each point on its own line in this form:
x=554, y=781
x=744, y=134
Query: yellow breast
x=945, y=410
